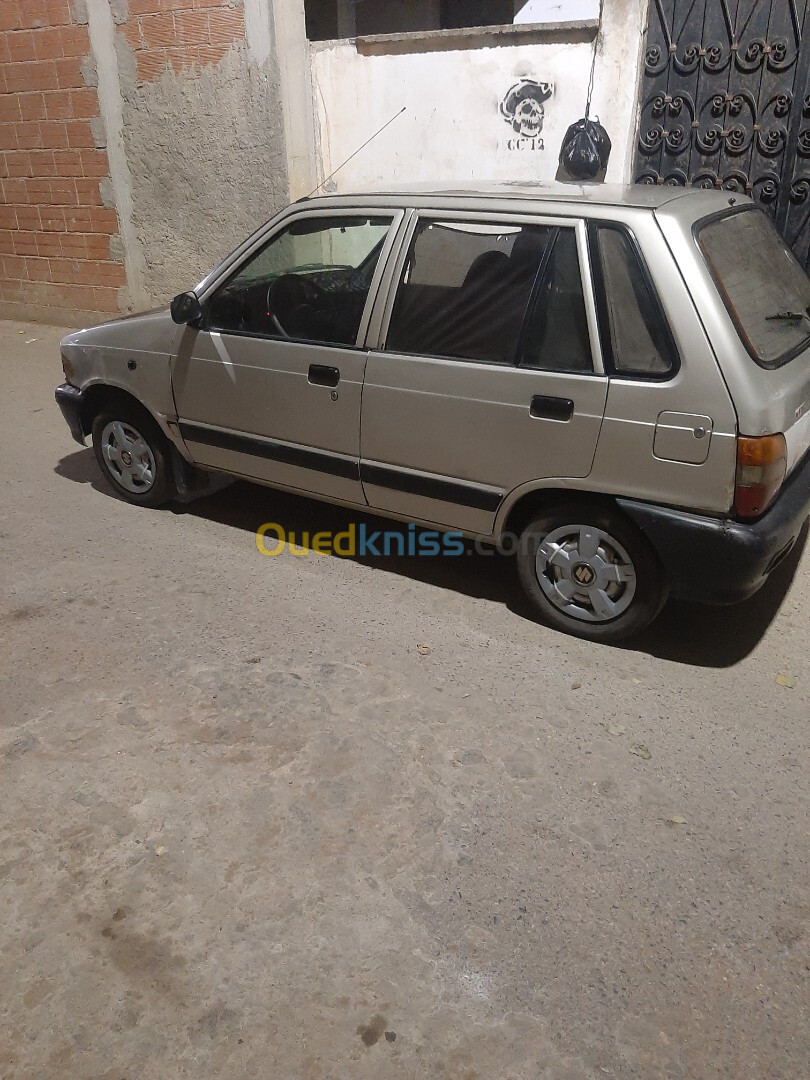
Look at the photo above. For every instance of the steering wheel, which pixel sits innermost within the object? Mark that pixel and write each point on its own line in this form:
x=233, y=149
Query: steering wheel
x=291, y=293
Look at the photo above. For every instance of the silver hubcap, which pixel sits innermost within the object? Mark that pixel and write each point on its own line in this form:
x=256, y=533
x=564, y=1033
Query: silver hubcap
x=128, y=457
x=586, y=573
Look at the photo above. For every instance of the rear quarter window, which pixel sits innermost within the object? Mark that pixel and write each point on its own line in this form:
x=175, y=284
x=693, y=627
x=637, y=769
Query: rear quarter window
x=639, y=344
x=764, y=288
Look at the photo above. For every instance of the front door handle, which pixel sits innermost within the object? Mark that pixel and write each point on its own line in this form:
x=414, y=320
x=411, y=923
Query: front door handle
x=321, y=375
x=551, y=408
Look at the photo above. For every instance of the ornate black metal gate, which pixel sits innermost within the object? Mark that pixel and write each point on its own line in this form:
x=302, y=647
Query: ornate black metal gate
x=726, y=103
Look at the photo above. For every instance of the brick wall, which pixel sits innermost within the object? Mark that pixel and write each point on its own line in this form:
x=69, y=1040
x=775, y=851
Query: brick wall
x=60, y=255
x=181, y=34
x=55, y=231
x=203, y=132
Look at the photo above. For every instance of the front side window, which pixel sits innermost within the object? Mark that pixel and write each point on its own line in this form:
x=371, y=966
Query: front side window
x=762, y=285
x=309, y=283
x=466, y=288
x=639, y=340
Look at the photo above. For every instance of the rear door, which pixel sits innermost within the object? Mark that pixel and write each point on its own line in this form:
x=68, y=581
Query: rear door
x=488, y=375
x=269, y=386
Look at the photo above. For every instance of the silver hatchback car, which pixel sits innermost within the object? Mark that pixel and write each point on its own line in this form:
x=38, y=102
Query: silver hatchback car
x=620, y=378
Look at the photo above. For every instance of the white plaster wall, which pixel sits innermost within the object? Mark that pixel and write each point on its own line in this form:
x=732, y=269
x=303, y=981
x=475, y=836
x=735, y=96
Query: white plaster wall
x=452, y=129
x=620, y=49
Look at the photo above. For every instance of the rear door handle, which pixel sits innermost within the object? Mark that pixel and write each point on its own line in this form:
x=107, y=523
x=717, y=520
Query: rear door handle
x=551, y=408
x=323, y=376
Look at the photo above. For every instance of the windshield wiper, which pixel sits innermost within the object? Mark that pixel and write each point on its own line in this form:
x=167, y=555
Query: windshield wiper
x=787, y=316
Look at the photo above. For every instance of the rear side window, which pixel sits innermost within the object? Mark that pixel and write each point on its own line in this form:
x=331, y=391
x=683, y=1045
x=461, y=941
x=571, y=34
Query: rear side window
x=465, y=289
x=762, y=285
x=639, y=340
x=557, y=336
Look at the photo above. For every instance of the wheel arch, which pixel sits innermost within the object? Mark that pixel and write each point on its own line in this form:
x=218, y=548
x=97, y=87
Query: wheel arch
x=100, y=395
x=520, y=510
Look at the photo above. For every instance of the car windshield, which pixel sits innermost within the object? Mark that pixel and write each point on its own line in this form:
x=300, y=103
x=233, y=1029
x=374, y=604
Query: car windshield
x=764, y=288
x=319, y=244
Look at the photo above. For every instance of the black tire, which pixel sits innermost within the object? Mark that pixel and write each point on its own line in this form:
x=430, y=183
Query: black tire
x=636, y=600
x=142, y=491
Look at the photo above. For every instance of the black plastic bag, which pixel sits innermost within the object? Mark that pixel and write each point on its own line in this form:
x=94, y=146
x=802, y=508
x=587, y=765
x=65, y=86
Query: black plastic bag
x=585, y=150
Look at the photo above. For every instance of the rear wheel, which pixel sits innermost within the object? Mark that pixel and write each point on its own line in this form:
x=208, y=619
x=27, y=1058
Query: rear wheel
x=589, y=572
x=133, y=454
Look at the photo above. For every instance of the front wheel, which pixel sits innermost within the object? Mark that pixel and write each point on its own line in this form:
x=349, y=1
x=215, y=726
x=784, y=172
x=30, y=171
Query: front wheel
x=589, y=572
x=133, y=454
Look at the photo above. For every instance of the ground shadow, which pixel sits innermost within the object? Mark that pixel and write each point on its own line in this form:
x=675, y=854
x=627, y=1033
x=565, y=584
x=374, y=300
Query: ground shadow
x=81, y=467
x=684, y=633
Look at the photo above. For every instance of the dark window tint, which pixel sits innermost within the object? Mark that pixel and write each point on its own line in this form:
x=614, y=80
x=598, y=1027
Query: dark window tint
x=640, y=343
x=347, y=18
x=459, y=13
x=309, y=283
x=466, y=288
x=322, y=20
x=556, y=337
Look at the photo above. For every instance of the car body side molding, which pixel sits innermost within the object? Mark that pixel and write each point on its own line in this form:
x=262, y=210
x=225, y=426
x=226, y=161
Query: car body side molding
x=302, y=456
x=431, y=487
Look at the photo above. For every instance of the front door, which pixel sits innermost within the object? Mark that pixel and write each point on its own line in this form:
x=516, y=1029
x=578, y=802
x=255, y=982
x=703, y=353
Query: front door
x=489, y=377
x=269, y=386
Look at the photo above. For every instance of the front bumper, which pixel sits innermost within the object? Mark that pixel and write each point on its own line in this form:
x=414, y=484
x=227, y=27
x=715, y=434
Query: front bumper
x=71, y=401
x=719, y=560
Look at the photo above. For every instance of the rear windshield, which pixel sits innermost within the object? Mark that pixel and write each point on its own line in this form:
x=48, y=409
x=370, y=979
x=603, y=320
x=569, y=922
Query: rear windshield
x=763, y=286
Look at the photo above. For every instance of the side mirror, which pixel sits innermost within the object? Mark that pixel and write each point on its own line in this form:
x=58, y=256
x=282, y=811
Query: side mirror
x=186, y=308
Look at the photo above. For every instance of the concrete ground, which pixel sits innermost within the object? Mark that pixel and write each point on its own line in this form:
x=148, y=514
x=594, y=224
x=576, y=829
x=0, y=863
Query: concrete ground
x=249, y=830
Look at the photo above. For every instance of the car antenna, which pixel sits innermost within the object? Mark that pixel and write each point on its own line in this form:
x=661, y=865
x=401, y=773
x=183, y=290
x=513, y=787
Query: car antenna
x=354, y=155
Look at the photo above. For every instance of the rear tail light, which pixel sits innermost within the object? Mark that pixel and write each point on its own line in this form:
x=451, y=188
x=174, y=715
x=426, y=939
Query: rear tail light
x=761, y=468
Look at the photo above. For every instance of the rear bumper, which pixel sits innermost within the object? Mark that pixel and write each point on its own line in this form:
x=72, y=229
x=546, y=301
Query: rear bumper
x=719, y=560
x=71, y=401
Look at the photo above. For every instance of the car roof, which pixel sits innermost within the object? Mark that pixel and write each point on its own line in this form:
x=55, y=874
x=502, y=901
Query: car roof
x=641, y=196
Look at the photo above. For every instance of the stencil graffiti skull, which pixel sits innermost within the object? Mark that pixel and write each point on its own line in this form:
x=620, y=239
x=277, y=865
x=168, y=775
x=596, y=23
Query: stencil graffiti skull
x=528, y=118
x=522, y=107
